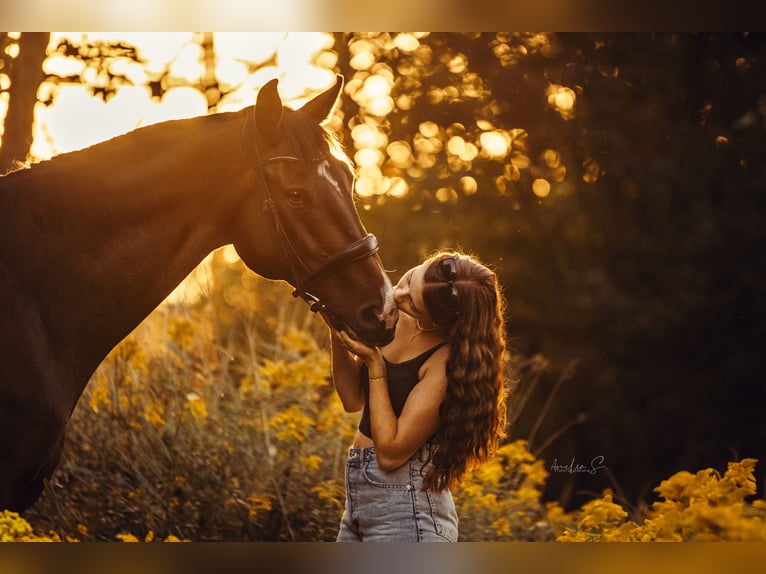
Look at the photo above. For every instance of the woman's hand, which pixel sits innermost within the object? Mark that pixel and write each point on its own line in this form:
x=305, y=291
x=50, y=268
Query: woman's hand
x=366, y=353
x=372, y=356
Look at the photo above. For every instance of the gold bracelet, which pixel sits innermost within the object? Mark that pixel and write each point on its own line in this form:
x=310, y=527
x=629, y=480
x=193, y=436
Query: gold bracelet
x=382, y=377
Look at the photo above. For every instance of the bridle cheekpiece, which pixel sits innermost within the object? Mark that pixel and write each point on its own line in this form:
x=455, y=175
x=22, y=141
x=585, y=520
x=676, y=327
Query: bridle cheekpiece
x=302, y=274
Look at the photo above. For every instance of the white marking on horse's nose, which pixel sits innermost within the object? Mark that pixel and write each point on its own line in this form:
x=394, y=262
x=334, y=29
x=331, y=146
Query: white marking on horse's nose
x=389, y=315
x=323, y=169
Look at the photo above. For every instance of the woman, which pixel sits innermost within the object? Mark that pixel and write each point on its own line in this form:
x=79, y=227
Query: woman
x=433, y=402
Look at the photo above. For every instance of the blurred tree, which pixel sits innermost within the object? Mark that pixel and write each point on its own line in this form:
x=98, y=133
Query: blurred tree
x=21, y=62
x=623, y=214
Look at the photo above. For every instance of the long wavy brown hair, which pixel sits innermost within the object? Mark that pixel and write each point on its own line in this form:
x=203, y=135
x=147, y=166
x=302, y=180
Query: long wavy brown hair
x=465, y=298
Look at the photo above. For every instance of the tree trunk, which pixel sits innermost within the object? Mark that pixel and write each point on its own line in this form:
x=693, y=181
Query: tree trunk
x=26, y=74
x=210, y=86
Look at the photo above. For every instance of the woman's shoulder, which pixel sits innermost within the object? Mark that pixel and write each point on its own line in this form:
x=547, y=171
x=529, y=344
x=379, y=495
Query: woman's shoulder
x=435, y=364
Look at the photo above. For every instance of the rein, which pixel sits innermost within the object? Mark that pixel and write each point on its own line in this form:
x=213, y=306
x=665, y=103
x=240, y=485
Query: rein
x=302, y=274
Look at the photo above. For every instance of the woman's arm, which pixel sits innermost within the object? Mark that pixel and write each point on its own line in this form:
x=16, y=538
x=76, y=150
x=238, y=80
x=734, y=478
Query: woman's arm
x=397, y=439
x=345, y=375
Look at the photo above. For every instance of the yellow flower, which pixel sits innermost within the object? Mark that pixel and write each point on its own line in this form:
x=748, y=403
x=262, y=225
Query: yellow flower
x=153, y=414
x=312, y=462
x=571, y=535
x=299, y=341
x=195, y=406
x=625, y=532
x=332, y=491
x=291, y=424
x=258, y=502
x=556, y=516
x=502, y=527
x=99, y=395
x=527, y=493
x=738, y=481
x=601, y=512
x=516, y=452
x=491, y=473
x=678, y=486
x=13, y=527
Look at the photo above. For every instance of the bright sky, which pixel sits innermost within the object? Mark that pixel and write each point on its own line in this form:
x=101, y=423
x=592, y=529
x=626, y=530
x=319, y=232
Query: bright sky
x=77, y=119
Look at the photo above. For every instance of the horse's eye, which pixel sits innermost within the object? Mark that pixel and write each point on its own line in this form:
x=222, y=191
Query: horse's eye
x=295, y=196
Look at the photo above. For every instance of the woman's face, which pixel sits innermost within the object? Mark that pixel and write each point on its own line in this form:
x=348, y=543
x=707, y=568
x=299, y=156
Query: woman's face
x=408, y=293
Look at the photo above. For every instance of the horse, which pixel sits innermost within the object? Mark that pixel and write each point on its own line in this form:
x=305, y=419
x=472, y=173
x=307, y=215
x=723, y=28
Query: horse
x=92, y=241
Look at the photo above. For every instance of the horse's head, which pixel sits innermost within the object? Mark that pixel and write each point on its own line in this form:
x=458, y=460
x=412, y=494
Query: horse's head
x=301, y=224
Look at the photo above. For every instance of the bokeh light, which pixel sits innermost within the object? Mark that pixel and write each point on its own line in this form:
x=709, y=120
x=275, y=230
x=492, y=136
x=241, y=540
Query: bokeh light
x=470, y=186
x=562, y=99
x=406, y=42
x=400, y=154
x=541, y=188
x=591, y=171
x=495, y=143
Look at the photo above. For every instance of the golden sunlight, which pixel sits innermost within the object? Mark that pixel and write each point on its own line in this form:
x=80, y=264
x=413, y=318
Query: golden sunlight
x=562, y=99
x=495, y=143
x=470, y=186
x=406, y=42
x=400, y=154
x=541, y=188
x=76, y=117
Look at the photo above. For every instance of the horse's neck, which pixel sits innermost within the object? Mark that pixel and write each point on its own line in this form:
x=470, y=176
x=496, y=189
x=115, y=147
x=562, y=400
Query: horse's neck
x=100, y=237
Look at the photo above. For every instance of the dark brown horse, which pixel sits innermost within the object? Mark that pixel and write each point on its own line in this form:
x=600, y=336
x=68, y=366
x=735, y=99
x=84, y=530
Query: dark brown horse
x=92, y=241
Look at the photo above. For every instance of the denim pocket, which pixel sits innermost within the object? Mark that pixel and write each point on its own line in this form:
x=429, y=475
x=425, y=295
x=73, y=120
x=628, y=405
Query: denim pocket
x=398, y=479
x=444, y=514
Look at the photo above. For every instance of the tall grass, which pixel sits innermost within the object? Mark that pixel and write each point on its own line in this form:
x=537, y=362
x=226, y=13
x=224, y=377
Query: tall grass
x=212, y=421
x=216, y=420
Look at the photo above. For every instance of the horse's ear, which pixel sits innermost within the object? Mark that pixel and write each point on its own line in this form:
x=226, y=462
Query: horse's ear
x=321, y=106
x=268, y=112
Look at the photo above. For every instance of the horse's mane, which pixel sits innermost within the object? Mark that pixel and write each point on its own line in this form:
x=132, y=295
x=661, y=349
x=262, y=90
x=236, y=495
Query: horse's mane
x=337, y=149
x=16, y=165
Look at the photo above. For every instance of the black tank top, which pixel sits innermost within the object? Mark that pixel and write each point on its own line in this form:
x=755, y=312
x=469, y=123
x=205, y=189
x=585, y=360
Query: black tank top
x=401, y=378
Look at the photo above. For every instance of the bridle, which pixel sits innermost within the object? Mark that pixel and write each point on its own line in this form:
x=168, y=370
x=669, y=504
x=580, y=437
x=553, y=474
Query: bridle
x=302, y=274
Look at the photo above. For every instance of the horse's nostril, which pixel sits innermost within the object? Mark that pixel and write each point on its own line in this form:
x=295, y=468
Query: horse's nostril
x=371, y=315
x=377, y=324
x=378, y=317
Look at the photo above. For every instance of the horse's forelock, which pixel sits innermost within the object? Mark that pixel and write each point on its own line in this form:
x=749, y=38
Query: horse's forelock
x=308, y=137
x=337, y=150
